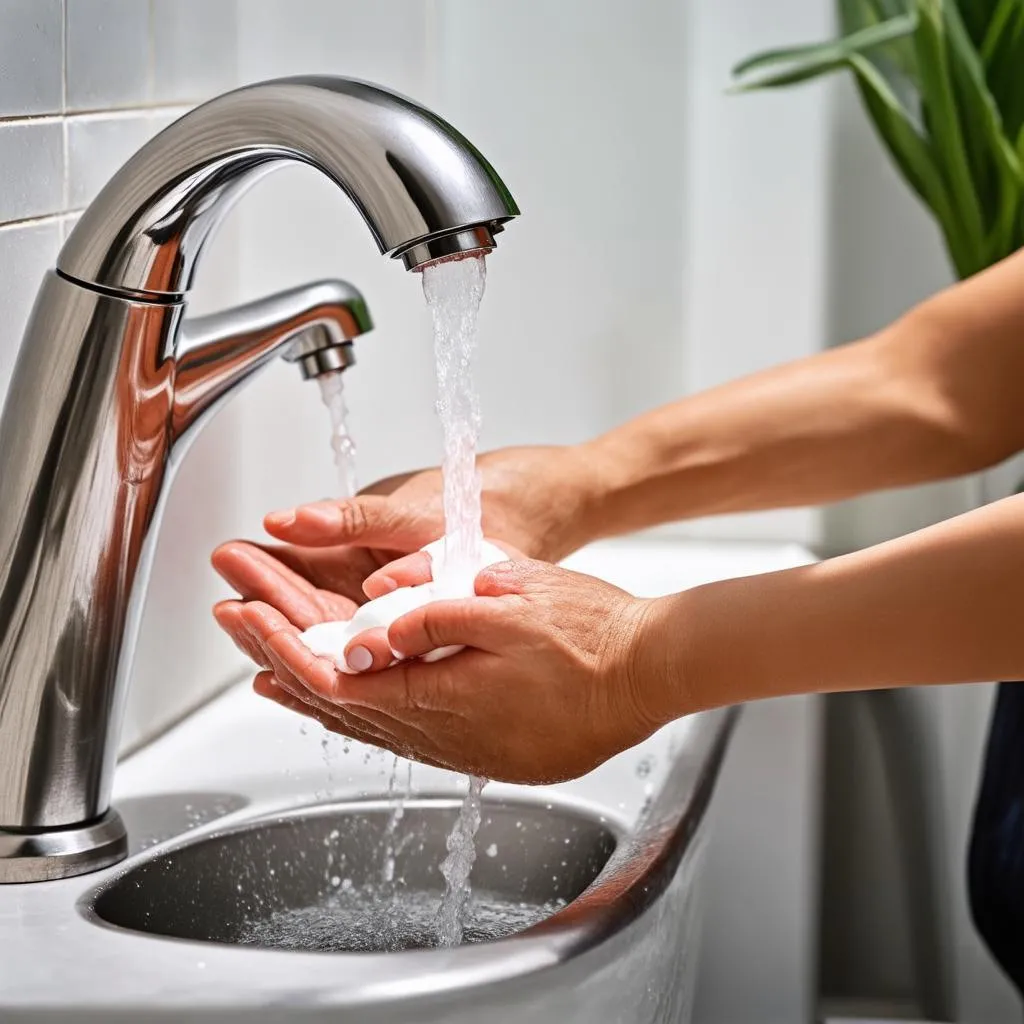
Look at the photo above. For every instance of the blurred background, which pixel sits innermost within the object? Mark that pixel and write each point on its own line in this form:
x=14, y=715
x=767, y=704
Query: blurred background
x=673, y=237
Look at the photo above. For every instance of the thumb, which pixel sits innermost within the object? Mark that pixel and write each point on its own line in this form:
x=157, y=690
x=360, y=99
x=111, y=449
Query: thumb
x=368, y=520
x=483, y=623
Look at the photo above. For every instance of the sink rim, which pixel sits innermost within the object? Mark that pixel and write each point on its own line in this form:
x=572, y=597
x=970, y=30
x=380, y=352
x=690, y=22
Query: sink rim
x=639, y=870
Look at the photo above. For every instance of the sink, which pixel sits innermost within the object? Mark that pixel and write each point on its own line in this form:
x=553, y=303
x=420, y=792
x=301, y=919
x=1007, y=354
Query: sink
x=313, y=879
x=232, y=907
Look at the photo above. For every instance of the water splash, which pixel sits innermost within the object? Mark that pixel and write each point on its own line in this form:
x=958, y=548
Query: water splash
x=398, y=794
x=332, y=391
x=367, y=919
x=454, y=290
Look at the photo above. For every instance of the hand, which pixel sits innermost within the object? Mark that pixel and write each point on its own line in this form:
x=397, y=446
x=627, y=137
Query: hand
x=537, y=499
x=559, y=677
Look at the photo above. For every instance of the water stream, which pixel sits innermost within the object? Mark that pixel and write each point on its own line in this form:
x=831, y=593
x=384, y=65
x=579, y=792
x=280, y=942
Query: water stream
x=332, y=391
x=453, y=291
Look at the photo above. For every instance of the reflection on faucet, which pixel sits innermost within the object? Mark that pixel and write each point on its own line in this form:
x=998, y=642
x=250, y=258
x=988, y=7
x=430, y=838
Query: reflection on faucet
x=112, y=382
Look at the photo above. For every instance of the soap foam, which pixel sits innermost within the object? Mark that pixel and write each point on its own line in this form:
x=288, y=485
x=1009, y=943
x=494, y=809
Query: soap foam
x=329, y=639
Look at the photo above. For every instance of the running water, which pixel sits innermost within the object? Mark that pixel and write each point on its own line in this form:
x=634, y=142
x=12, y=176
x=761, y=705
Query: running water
x=453, y=290
x=332, y=391
x=397, y=796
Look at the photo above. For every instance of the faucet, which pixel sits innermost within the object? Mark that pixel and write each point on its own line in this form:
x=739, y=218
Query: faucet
x=113, y=380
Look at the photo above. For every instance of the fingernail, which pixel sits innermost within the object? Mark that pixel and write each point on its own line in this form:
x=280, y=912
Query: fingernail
x=285, y=518
x=385, y=584
x=359, y=659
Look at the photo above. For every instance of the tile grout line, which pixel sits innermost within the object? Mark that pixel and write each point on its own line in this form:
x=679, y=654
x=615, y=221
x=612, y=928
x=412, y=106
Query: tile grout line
x=63, y=55
x=39, y=220
x=151, y=50
x=66, y=184
x=107, y=113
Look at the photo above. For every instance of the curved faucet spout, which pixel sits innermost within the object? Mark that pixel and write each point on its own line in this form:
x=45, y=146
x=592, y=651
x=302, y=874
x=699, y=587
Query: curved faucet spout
x=422, y=188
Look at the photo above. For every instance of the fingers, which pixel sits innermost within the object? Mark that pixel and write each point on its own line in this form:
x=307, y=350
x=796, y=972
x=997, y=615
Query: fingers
x=292, y=661
x=369, y=651
x=257, y=576
x=484, y=623
x=408, y=571
x=229, y=617
x=413, y=570
x=369, y=520
x=410, y=692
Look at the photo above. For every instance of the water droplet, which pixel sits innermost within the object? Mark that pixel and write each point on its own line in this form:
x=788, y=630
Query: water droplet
x=492, y=850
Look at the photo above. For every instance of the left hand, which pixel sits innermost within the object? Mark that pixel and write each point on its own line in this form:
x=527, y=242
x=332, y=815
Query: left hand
x=558, y=677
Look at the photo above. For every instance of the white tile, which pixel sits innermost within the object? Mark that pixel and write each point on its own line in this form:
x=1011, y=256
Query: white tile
x=108, y=50
x=98, y=144
x=195, y=49
x=383, y=41
x=27, y=251
x=31, y=59
x=31, y=168
x=160, y=119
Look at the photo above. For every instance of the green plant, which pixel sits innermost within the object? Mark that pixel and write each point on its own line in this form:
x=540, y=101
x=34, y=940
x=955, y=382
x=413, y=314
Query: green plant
x=943, y=83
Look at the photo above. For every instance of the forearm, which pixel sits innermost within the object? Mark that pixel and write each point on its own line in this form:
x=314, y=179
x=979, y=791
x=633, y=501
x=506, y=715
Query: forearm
x=935, y=395
x=944, y=605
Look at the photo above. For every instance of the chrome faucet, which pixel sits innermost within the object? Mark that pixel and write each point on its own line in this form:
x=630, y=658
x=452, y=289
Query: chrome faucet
x=113, y=380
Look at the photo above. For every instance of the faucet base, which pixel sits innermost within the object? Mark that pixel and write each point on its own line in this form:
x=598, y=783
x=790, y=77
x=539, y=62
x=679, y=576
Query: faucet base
x=43, y=856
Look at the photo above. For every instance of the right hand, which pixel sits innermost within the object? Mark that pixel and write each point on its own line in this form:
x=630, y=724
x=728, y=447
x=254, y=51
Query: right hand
x=536, y=499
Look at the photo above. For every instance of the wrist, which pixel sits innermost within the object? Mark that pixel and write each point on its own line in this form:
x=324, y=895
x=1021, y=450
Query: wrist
x=664, y=674
x=612, y=482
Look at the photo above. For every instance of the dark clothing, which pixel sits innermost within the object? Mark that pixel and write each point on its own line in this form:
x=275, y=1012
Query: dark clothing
x=995, y=863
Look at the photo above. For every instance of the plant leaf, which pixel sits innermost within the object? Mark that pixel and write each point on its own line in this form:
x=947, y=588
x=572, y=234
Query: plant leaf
x=995, y=167
x=943, y=119
x=912, y=155
x=897, y=60
x=1002, y=55
x=856, y=14
x=977, y=16
x=827, y=56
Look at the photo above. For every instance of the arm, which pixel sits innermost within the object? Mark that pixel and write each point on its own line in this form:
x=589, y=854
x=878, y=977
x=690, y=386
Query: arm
x=943, y=605
x=937, y=394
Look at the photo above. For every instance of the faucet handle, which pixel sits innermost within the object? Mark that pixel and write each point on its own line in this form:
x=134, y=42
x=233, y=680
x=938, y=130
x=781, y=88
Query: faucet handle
x=312, y=325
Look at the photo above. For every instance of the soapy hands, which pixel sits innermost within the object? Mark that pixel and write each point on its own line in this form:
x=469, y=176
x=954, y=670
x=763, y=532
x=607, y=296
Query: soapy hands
x=538, y=499
x=557, y=679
